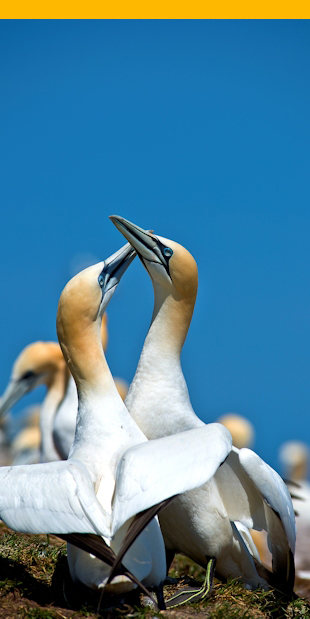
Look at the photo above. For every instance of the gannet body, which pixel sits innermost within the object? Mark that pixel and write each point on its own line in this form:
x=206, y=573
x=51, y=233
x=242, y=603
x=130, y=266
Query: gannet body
x=112, y=472
x=244, y=492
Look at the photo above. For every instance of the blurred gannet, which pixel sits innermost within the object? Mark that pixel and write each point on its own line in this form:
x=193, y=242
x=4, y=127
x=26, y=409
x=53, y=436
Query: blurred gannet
x=112, y=472
x=240, y=428
x=43, y=363
x=39, y=363
x=244, y=492
x=294, y=457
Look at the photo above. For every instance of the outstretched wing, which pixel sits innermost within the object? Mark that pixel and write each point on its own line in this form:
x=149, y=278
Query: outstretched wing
x=255, y=495
x=56, y=497
x=153, y=471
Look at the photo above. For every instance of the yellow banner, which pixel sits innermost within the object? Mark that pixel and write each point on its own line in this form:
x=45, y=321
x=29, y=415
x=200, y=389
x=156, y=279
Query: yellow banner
x=159, y=9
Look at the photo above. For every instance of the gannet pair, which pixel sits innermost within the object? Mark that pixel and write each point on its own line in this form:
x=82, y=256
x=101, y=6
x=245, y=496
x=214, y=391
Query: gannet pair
x=212, y=521
x=112, y=472
x=43, y=363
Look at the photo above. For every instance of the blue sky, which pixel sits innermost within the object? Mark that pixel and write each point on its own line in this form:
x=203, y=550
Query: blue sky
x=199, y=130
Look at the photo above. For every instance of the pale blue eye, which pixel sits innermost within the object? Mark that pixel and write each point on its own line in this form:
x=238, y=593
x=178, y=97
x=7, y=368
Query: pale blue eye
x=168, y=252
x=101, y=280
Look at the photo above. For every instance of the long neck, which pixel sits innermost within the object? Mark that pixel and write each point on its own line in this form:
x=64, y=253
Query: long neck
x=103, y=425
x=171, y=318
x=158, y=397
x=56, y=390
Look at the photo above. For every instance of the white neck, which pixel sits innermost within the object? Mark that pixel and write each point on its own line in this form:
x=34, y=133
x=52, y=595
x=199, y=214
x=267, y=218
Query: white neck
x=158, y=398
x=103, y=425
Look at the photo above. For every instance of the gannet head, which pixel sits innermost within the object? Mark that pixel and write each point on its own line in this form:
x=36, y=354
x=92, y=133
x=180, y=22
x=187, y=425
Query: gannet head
x=240, y=428
x=81, y=307
x=169, y=264
x=34, y=366
x=294, y=456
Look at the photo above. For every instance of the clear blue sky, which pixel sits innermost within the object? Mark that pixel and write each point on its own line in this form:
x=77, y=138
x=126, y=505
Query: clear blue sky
x=198, y=130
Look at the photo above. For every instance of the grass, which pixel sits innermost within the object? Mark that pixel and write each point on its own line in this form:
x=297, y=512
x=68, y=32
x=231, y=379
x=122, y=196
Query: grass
x=35, y=584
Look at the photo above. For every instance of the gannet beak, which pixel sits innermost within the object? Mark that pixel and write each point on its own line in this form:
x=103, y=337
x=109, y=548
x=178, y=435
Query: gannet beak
x=15, y=391
x=145, y=243
x=115, y=266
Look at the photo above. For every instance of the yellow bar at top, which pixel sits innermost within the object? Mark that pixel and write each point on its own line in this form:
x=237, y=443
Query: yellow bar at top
x=153, y=9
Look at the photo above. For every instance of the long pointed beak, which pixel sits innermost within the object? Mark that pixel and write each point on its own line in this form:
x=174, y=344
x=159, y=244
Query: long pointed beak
x=116, y=265
x=14, y=392
x=144, y=242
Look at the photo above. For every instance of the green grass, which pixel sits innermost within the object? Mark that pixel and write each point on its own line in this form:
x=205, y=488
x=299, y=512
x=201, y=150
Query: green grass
x=35, y=584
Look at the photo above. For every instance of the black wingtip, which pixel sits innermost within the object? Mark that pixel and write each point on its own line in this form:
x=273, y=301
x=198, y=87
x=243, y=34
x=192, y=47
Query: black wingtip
x=94, y=544
x=139, y=523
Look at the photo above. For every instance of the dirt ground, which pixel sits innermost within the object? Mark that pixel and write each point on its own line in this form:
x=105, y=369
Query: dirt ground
x=35, y=584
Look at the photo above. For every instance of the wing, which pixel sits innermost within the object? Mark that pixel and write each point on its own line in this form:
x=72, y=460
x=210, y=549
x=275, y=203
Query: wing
x=273, y=491
x=94, y=544
x=139, y=523
x=153, y=471
x=57, y=497
x=255, y=495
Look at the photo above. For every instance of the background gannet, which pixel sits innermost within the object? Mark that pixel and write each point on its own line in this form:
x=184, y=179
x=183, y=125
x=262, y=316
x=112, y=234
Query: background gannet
x=203, y=522
x=294, y=458
x=37, y=364
x=240, y=428
x=112, y=472
x=43, y=363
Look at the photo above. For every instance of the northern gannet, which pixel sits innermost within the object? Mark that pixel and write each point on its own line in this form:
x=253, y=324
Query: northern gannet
x=240, y=428
x=244, y=492
x=43, y=363
x=294, y=457
x=113, y=472
x=39, y=363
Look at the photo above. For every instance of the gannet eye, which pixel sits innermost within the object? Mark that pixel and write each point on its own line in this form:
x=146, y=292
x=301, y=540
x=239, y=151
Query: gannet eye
x=101, y=280
x=27, y=375
x=168, y=252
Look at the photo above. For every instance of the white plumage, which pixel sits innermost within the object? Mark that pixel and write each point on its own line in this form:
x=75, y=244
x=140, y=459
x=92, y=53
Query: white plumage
x=244, y=489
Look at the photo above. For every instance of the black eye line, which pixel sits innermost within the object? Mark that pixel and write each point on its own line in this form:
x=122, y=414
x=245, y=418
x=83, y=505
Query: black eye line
x=27, y=375
x=161, y=247
x=109, y=273
x=145, y=262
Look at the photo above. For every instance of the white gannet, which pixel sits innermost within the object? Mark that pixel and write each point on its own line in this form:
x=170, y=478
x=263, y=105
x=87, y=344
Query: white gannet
x=294, y=457
x=112, y=472
x=37, y=364
x=43, y=363
x=244, y=492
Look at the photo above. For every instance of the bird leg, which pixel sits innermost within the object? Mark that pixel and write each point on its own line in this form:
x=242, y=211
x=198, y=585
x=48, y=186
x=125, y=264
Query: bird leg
x=159, y=592
x=189, y=594
x=169, y=558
